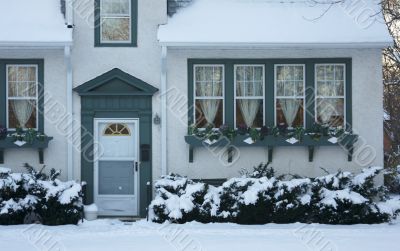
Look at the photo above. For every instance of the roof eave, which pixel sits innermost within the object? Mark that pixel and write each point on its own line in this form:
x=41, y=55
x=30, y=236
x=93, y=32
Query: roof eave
x=349, y=45
x=34, y=44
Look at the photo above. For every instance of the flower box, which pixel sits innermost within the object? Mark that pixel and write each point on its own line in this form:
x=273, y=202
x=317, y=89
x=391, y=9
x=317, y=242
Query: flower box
x=345, y=141
x=39, y=144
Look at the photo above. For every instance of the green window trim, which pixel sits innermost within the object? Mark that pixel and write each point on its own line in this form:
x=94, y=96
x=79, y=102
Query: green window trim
x=269, y=113
x=3, y=88
x=134, y=27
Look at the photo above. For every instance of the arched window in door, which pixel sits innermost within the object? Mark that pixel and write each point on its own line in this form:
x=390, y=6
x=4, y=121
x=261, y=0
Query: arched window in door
x=117, y=130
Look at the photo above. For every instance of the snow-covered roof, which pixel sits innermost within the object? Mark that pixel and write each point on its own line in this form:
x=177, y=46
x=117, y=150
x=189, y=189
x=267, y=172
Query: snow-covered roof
x=32, y=22
x=277, y=23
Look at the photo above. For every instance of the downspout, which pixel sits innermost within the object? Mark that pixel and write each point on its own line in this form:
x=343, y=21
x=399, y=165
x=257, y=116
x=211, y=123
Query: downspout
x=163, y=94
x=68, y=62
x=69, y=136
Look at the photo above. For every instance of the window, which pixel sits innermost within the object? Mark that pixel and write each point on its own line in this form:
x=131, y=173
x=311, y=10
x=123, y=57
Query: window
x=289, y=95
x=269, y=92
x=330, y=94
x=116, y=22
x=117, y=130
x=22, y=96
x=209, y=95
x=249, y=95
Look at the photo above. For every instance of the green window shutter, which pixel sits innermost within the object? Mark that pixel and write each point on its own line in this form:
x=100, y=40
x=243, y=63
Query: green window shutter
x=134, y=27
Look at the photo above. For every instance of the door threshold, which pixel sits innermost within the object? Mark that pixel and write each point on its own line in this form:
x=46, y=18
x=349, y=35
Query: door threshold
x=123, y=218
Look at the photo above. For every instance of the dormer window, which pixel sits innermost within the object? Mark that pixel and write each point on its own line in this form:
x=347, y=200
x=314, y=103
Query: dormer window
x=116, y=23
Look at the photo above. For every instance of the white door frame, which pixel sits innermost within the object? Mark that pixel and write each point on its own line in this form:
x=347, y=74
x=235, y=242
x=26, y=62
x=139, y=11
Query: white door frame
x=96, y=158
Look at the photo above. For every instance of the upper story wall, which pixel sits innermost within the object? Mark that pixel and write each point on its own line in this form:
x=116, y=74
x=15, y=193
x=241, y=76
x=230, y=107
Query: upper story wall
x=142, y=61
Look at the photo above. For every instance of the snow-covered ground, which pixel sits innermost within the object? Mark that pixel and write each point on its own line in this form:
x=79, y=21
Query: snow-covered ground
x=114, y=235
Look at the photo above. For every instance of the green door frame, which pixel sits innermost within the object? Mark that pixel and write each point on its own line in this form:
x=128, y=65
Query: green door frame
x=117, y=94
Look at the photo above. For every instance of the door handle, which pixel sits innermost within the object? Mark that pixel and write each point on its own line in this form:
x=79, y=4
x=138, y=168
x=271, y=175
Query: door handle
x=136, y=166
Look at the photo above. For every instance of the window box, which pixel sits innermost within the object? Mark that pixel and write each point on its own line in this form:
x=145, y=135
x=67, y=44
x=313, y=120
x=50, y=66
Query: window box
x=270, y=142
x=39, y=144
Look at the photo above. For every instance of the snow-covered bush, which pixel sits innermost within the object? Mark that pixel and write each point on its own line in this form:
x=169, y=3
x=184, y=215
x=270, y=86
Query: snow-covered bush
x=53, y=201
x=259, y=198
x=178, y=199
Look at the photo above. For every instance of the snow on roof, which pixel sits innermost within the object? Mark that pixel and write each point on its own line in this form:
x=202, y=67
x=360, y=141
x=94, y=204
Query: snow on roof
x=32, y=22
x=276, y=22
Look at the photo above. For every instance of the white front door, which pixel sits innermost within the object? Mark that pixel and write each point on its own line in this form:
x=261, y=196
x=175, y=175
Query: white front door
x=116, y=167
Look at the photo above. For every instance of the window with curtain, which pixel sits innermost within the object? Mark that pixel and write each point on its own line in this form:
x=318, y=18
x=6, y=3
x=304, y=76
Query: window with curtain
x=209, y=95
x=249, y=95
x=289, y=98
x=115, y=21
x=22, y=96
x=330, y=94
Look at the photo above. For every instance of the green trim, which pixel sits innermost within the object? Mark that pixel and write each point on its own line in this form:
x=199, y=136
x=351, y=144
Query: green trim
x=269, y=89
x=134, y=27
x=102, y=98
x=3, y=96
x=106, y=84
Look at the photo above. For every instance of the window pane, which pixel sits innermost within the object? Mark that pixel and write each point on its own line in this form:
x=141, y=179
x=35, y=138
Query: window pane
x=280, y=88
x=115, y=29
x=299, y=88
x=22, y=113
x=290, y=80
x=290, y=112
x=289, y=88
x=249, y=81
x=12, y=73
x=118, y=7
x=339, y=72
x=329, y=70
x=280, y=73
x=330, y=111
x=249, y=112
x=208, y=81
x=209, y=111
x=298, y=73
x=326, y=84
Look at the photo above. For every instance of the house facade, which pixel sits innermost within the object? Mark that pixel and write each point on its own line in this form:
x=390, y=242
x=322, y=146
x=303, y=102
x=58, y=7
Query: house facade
x=117, y=85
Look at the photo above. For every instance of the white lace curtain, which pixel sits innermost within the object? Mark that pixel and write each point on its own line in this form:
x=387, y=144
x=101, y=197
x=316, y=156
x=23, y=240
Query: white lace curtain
x=22, y=93
x=328, y=108
x=249, y=107
x=209, y=107
x=290, y=108
x=23, y=110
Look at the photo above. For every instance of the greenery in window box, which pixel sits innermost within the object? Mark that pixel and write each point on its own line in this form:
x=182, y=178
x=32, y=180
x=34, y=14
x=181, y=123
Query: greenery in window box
x=29, y=135
x=230, y=133
x=316, y=132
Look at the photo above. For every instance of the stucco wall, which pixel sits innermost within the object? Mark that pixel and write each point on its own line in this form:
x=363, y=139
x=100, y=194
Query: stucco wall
x=367, y=118
x=142, y=61
x=55, y=100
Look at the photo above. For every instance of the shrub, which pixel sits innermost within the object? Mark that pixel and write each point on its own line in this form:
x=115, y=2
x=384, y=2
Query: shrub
x=260, y=197
x=54, y=202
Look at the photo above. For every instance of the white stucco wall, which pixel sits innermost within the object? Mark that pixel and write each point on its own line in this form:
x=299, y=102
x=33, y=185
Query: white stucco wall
x=55, y=98
x=367, y=118
x=142, y=61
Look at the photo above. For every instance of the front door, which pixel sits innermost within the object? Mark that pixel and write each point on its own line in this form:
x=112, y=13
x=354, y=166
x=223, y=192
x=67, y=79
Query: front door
x=116, y=167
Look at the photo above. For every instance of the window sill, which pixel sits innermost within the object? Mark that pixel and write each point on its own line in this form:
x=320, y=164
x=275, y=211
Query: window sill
x=9, y=143
x=270, y=142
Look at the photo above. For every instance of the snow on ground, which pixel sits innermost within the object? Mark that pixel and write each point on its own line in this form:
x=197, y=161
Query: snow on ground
x=114, y=235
